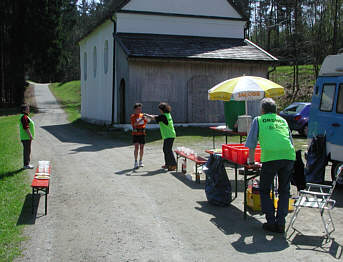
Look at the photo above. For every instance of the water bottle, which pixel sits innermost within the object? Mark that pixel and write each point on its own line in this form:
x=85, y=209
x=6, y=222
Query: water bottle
x=184, y=166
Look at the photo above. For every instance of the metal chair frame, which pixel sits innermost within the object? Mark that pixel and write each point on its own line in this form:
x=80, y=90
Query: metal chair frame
x=318, y=196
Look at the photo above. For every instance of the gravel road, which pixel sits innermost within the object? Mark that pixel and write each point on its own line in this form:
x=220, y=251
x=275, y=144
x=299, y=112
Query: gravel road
x=101, y=210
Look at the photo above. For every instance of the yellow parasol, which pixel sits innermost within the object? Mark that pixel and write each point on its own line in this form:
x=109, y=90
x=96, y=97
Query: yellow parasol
x=245, y=88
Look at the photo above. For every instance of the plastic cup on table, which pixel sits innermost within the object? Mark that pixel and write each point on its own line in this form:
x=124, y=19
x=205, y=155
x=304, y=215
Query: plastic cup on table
x=42, y=169
x=43, y=163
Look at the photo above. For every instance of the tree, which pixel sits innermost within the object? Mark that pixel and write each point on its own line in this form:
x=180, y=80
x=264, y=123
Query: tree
x=11, y=52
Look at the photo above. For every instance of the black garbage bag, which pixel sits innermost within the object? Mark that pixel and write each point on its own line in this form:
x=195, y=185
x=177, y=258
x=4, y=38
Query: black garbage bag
x=298, y=176
x=316, y=160
x=218, y=187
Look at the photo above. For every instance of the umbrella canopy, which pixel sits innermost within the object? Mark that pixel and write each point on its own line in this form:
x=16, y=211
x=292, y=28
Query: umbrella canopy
x=245, y=88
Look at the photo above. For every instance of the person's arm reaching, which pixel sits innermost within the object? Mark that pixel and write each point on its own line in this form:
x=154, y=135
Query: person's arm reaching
x=159, y=118
x=251, y=142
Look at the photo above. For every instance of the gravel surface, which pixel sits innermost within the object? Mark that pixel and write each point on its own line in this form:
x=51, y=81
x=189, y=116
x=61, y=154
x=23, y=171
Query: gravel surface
x=99, y=209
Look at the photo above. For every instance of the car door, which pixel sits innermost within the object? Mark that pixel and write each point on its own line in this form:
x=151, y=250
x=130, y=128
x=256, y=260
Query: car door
x=335, y=138
x=288, y=113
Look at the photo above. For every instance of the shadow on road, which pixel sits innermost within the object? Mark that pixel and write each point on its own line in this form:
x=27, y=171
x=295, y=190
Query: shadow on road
x=252, y=239
x=317, y=244
x=338, y=196
x=140, y=172
x=191, y=184
x=89, y=141
x=26, y=217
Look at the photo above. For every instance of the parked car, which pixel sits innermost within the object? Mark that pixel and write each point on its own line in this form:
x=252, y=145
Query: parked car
x=326, y=115
x=297, y=115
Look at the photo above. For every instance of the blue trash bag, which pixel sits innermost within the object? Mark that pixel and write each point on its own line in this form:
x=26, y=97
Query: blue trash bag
x=316, y=160
x=218, y=187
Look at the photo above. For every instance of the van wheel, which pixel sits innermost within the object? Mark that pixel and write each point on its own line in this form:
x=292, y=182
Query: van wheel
x=304, y=131
x=334, y=170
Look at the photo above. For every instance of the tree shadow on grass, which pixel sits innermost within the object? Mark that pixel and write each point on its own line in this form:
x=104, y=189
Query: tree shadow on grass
x=252, y=239
x=12, y=173
x=9, y=111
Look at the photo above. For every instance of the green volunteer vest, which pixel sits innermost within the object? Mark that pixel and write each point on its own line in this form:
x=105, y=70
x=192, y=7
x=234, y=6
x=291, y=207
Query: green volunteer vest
x=23, y=134
x=167, y=131
x=274, y=138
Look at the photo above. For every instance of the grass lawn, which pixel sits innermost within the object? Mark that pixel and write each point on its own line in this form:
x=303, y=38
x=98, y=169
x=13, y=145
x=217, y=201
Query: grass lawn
x=14, y=186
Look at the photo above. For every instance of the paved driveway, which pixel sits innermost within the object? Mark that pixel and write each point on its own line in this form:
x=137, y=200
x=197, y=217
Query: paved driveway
x=100, y=210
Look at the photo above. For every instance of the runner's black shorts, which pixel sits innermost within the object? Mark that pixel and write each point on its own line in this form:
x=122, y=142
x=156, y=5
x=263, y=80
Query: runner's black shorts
x=138, y=139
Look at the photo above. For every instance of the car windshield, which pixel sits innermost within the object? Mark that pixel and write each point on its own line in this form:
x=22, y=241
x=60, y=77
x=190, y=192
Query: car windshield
x=293, y=109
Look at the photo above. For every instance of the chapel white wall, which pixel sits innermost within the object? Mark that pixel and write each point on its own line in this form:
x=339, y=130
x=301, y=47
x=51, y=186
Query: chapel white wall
x=220, y=8
x=96, y=92
x=175, y=25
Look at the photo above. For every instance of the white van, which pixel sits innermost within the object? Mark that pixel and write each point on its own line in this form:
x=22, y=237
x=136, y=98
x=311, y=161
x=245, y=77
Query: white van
x=326, y=115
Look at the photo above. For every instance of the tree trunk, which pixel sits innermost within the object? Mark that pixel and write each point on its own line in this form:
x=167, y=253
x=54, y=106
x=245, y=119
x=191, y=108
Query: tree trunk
x=17, y=53
x=334, y=37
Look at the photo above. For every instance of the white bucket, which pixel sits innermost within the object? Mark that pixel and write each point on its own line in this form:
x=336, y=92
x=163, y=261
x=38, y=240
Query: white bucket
x=244, y=123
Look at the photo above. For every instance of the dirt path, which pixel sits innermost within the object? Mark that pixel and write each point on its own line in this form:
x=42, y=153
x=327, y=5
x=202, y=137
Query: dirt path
x=100, y=210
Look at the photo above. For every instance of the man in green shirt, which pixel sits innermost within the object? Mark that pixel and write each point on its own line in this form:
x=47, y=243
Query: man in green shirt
x=277, y=157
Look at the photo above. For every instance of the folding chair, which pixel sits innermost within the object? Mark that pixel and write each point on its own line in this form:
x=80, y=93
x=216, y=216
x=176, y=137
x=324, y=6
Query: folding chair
x=319, y=197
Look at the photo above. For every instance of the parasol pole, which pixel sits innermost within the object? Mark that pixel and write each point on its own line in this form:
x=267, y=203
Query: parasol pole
x=246, y=107
x=246, y=113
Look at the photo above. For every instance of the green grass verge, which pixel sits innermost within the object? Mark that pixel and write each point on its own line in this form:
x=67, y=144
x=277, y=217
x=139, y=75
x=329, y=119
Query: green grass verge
x=14, y=186
x=69, y=96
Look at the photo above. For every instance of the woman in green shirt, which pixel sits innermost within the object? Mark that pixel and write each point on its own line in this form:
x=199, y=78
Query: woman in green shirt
x=168, y=134
x=27, y=134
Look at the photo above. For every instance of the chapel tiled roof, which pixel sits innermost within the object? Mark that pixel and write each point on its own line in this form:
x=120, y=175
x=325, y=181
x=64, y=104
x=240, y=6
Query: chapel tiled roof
x=190, y=47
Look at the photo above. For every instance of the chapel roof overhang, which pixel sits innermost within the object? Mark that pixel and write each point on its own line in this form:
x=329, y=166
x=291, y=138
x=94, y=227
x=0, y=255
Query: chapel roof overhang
x=191, y=47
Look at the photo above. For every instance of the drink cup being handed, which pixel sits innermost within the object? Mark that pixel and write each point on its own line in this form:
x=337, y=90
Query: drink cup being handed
x=140, y=121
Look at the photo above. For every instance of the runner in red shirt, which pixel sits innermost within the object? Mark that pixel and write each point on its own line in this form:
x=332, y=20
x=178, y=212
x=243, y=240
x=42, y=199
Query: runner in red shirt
x=138, y=122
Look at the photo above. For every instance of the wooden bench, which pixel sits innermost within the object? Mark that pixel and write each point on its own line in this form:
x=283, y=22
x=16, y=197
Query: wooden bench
x=198, y=160
x=40, y=185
